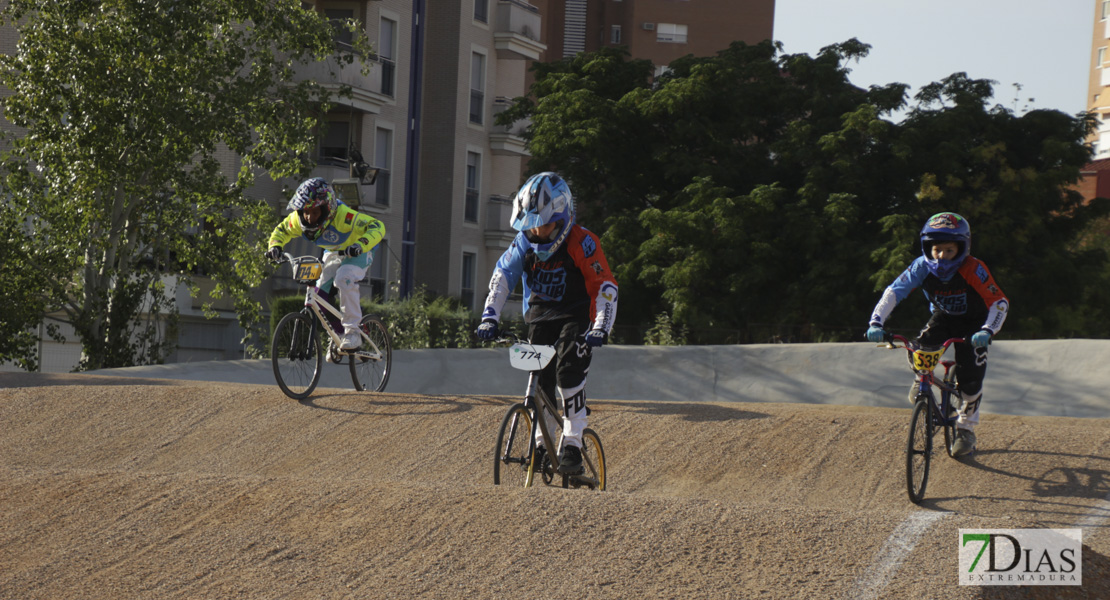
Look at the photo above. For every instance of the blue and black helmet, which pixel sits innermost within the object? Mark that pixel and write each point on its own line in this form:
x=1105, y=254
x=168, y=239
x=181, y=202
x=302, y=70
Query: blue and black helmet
x=946, y=227
x=545, y=198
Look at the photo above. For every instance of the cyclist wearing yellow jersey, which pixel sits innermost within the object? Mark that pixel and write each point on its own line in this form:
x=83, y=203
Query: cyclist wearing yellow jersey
x=346, y=235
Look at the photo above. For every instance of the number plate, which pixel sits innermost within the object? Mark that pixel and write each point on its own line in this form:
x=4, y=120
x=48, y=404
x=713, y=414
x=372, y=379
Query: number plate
x=308, y=272
x=530, y=357
x=926, y=360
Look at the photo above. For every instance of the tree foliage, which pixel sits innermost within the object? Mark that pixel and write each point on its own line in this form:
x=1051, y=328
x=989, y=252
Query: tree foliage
x=760, y=192
x=116, y=174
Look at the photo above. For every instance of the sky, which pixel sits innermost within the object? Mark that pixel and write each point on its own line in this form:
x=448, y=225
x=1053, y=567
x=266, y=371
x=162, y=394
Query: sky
x=1043, y=45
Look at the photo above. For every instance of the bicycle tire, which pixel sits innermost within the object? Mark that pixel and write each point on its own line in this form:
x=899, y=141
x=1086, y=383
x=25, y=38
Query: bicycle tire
x=919, y=449
x=512, y=460
x=371, y=375
x=593, y=461
x=295, y=355
x=949, y=427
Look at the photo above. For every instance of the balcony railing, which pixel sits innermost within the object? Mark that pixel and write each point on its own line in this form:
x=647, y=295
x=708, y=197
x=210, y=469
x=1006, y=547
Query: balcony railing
x=516, y=30
x=507, y=139
x=499, y=233
x=365, y=88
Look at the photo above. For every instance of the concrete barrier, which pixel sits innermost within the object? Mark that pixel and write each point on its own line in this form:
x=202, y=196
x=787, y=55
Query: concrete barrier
x=1042, y=377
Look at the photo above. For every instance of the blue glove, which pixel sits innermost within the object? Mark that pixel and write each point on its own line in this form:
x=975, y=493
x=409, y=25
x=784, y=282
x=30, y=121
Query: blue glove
x=876, y=334
x=981, y=339
x=487, y=330
x=353, y=250
x=596, y=337
x=274, y=253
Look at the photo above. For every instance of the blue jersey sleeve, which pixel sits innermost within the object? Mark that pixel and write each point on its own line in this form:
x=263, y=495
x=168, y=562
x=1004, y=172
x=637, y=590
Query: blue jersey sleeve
x=910, y=279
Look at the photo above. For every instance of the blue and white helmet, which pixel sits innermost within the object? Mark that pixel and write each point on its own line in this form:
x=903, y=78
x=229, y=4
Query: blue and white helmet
x=312, y=193
x=545, y=198
x=945, y=227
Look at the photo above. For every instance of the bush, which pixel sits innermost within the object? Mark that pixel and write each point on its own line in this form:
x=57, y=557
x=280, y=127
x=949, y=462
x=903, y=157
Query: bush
x=419, y=321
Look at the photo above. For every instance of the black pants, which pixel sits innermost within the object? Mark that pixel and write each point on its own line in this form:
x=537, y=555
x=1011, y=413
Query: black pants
x=971, y=363
x=572, y=355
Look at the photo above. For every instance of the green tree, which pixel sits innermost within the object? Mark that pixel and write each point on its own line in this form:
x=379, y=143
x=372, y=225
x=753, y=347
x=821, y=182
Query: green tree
x=762, y=192
x=113, y=177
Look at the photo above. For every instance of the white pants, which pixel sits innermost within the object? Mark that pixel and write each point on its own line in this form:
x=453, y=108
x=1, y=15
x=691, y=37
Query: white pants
x=346, y=273
x=969, y=413
x=574, y=416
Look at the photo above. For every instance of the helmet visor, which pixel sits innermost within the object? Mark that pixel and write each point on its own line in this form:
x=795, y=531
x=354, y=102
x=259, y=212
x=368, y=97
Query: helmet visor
x=525, y=221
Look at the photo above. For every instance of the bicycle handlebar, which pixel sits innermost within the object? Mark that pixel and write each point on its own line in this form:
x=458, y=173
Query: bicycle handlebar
x=908, y=343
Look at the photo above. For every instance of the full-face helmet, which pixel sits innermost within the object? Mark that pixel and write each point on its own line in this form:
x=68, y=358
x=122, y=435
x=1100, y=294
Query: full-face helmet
x=545, y=198
x=314, y=193
x=945, y=227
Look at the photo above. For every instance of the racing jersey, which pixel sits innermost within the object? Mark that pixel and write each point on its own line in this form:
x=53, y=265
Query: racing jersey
x=575, y=282
x=347, y=228
x=970, y=294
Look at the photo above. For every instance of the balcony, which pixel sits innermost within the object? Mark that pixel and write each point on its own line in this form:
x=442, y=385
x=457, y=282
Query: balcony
x=368, y=94
x=499, y=233
x=516, y=30
x=507, y=140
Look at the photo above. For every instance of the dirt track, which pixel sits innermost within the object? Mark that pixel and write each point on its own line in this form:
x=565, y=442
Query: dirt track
x=130, y=489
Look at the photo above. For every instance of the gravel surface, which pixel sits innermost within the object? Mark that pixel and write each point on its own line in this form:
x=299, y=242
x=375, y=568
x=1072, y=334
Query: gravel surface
x=125, y=488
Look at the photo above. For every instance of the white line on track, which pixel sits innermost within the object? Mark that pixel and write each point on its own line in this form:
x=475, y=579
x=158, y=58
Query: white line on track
x=1098, y=513
x=894, y=551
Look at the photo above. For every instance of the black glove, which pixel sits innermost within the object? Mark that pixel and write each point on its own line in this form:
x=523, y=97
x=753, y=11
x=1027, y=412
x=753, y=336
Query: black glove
x=353, y=250
x=273, y=254
x=487, y=330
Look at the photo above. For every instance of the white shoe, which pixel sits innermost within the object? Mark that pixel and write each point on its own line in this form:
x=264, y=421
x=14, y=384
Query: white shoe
x=351, y=341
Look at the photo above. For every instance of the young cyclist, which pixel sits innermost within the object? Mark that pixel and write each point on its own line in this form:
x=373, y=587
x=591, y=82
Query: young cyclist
x=965, y=301
x=347, y=236
x=570, y=298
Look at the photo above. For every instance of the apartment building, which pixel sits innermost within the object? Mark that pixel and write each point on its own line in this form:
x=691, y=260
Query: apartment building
x=1098, y=86
x=656, y=30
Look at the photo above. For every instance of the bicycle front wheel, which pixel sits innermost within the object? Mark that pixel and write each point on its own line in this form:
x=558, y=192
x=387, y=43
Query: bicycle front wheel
x=296, y=357
x=512, y=462
x=370, y=364
x=919, y=450
x=593, y=461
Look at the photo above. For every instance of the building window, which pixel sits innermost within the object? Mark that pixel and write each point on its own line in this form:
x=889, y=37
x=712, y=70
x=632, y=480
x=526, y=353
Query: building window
x=473, y=182
x=481, y=11
x=337, y=18
x=615, y=34
x=1101, y=57
x=469, y=267
x=670, y=33
x=383, y=160
x=378, y=270
x=386, y=54
x=334, y=143
x=477, y=87
x=1105, y=9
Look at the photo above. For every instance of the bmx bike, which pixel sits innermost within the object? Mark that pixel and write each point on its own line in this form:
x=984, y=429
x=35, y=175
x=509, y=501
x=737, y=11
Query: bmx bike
x=930, y=413
x=296, y=349
x=516, y=460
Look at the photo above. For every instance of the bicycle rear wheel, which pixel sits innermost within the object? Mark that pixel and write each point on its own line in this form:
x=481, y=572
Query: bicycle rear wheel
x=370, y=365
x=919, y=450
x=295, y=355
x=512, y=461
x=593, y=460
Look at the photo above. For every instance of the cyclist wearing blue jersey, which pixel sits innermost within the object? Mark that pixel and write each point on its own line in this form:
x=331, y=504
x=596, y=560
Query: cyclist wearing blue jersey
x=965, y=302
x=570, y=298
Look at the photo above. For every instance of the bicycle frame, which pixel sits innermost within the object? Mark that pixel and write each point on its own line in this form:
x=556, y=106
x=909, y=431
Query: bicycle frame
x=315, y=303
x=540, y=411
x=944, y=412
